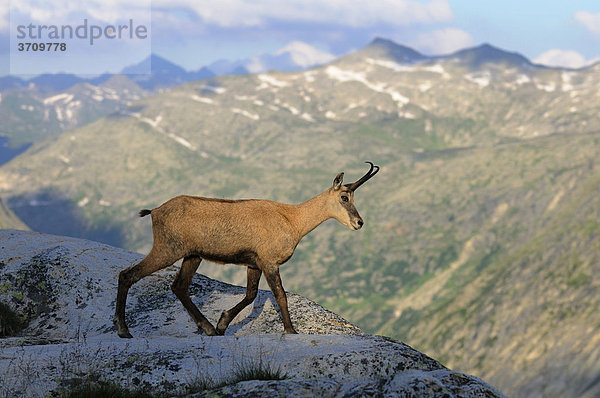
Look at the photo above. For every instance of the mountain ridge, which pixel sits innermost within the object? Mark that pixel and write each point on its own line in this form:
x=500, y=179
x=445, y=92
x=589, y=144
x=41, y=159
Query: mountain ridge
x=475, y=56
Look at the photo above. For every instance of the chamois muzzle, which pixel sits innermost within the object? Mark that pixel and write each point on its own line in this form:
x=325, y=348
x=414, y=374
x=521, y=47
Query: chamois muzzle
x=358, y=224
x=372, y=171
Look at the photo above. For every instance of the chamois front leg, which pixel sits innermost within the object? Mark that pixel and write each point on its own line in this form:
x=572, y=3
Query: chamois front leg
x=274, y=281
x=251, y=291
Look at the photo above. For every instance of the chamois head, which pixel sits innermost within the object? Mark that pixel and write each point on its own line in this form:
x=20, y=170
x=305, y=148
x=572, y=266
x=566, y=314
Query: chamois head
x=342, y=199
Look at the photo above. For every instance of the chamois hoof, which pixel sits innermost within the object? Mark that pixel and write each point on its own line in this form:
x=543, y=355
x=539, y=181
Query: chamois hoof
x=207, y=328
x=122, y=329
x=125, y=335
x=212, y=332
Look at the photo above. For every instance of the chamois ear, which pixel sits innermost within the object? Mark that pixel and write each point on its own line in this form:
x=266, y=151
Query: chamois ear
x=337, y=183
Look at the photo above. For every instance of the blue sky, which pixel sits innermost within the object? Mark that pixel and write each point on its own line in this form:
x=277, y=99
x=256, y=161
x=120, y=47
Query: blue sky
x=193, y=33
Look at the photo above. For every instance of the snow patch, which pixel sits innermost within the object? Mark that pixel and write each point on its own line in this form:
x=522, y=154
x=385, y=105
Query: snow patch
x=566, y=81
x=243, y=112
x=310, y=76
x=154, y=123
x=548, y=87
x=437, y=68
x=407, y=115
x=424, y=86
x=330, y=115
x=522, y=79
x=307, y=117
x=396, y=67
x=64, y=97
x=182, y=141
x=292, y=109
x=204, y=100
x=346, y=75
x=109, y=93
x=272, y=81
x=214, y=89
x=350, y=107
x=481, y=79
x=402, y=100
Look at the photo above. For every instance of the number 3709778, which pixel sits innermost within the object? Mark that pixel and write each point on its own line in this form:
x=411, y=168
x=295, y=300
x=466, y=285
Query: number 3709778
x=21, y=46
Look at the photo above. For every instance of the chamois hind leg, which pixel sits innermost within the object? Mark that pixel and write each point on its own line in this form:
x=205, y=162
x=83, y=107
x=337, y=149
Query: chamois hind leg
x=251, y=291
x=153, y=262
x=274, y=281
x=180, y=287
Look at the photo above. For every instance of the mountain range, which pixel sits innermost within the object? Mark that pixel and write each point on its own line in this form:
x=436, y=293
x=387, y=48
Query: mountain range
x=164, y=73
x=480, y=237
x=49, y=104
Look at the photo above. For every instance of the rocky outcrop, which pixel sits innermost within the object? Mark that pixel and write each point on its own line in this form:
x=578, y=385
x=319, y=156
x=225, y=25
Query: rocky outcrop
x=65, y=289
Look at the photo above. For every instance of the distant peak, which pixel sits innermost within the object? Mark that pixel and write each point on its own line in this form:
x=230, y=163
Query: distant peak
x=390, y=49
x=158, y=62
x=486, y=53
x=379, y=41
x=153, y=63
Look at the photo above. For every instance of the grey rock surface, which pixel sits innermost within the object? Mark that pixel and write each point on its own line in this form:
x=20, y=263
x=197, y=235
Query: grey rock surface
x=66, y=289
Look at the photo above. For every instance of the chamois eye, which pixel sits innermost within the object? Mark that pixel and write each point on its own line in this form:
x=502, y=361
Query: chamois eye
x=344, y=198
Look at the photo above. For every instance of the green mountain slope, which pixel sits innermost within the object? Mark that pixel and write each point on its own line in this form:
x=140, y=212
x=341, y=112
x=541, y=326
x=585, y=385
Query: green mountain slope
x=479, y=245
x=32, y=115
x=8, y=219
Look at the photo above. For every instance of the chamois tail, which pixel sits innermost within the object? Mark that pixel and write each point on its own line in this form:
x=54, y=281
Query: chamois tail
x=145, y=212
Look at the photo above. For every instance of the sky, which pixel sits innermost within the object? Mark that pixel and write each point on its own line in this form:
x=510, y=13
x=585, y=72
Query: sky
x=195, y=33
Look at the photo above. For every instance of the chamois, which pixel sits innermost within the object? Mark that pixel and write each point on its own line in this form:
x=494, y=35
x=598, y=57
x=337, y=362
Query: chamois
x=258, y=234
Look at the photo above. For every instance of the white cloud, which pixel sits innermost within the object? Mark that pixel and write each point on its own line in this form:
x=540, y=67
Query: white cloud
x=444, y=41
x=590, y=20
x=351, y=13
x=305, y=55
x=59, y=11
x=256, y=65
x=242, y=13
x=245, y=13
x=4, y=10
x=563, y=58
x=294, y=56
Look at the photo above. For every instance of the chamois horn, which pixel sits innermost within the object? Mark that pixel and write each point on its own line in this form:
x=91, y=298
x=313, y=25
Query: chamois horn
x=364, y=178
